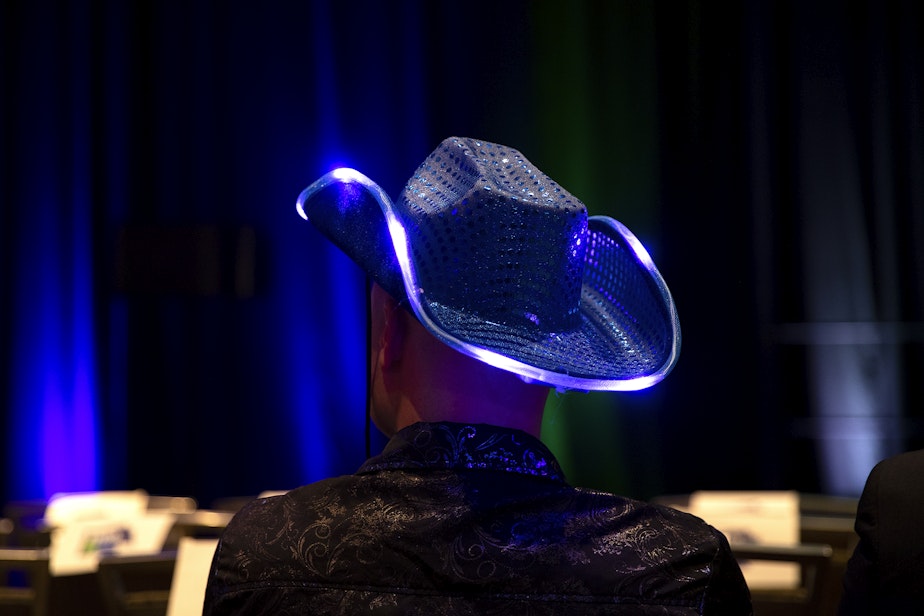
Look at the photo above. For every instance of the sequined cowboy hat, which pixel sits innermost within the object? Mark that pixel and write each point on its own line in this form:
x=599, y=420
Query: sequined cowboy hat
x=501, y=263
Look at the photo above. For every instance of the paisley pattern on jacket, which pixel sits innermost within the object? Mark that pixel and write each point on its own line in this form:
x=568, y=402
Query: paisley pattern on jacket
x=468, y=519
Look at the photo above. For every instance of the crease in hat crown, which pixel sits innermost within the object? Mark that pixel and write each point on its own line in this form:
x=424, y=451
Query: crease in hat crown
x=503, y=264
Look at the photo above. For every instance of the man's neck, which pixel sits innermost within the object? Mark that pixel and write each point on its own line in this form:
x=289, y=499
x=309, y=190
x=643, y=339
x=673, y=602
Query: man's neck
x=517, y=412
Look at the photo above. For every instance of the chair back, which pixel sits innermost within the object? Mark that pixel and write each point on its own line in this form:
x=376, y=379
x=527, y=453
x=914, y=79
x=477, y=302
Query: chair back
x=136, y=585
x=808, y=597
x=24, y=581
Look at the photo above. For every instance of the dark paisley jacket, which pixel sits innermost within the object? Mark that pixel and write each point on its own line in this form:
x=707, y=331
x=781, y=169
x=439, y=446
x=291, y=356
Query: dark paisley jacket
x=468, y=519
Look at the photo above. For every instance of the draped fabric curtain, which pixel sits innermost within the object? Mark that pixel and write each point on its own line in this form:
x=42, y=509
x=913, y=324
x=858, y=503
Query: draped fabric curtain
x=795, y=139
x=168, y=322
x=860, y=158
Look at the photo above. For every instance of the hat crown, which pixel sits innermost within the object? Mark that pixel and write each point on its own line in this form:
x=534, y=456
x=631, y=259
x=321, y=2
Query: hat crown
x=492, y=235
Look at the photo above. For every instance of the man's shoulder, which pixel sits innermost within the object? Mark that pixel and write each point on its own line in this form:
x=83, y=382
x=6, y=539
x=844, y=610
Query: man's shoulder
x=272, y=514
x=628, y=511
x=623, y=530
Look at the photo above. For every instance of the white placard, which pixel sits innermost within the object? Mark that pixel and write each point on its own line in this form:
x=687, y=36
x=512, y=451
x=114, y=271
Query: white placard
x=190, y=576
x=68, y=507
x=759, y=517
x=77, y=547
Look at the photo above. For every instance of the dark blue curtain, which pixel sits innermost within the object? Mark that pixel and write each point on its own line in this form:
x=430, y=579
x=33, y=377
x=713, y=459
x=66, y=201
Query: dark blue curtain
x=168, y=322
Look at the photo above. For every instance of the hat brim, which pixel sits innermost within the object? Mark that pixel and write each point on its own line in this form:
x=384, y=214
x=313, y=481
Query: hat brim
x=346, y=207
x=628, y=336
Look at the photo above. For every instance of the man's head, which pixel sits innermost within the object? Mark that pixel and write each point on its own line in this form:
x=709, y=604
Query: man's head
x=415, y=377
x=497, y=261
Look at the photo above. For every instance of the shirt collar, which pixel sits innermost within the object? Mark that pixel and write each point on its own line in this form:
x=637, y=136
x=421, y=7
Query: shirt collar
x=457, y=446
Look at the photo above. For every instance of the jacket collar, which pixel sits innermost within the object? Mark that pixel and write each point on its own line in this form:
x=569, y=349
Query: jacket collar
x=458, y=446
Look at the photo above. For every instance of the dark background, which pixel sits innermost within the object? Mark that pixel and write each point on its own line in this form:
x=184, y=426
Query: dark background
x=167, y=322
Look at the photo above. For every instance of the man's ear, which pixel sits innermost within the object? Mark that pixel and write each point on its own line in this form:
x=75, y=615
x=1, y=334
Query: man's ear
x=394, y=335
x=393, y=330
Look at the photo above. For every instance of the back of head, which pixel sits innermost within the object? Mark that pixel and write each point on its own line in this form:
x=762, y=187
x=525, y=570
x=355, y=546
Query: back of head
x=416, y=377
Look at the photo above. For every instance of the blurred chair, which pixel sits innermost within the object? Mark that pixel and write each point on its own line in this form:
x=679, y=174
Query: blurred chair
x=231, y=503
x=824, y=520
x=126, y=582
x=136, y=585
x=172, y=504
x=24, y=581
x=829, y=520
x=6, y=531
x=809, y=597
x=87, y=526
x=236, y=503
x=201, y=524
x=139, y=584
x=28, y=529
x=171, y=583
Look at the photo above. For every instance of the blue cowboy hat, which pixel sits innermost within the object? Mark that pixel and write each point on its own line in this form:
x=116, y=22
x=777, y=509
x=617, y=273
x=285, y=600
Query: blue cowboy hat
x=503, y=264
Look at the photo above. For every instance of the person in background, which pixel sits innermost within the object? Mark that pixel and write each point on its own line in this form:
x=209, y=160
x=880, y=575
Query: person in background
x=885, y=573
x=491, y=285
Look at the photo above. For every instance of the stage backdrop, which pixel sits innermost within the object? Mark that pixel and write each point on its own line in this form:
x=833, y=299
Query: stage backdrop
x=168, y=322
